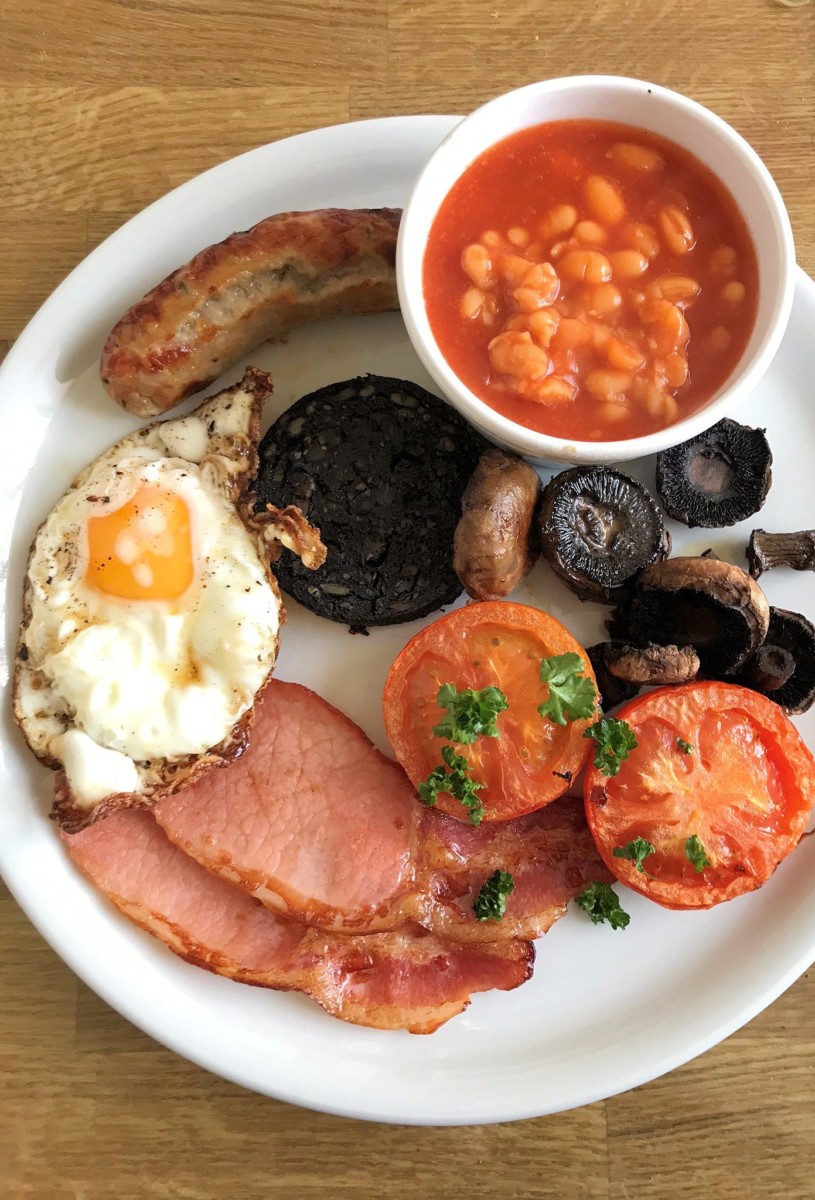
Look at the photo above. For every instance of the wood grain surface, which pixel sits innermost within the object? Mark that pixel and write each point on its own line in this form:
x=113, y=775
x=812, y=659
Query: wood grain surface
x=104, y=106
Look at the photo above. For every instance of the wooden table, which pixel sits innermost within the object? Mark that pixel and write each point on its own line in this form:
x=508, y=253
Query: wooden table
x=107, y=104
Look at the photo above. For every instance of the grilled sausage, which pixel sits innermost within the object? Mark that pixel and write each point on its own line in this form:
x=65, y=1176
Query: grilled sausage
x=495, y=543
x=288, y=270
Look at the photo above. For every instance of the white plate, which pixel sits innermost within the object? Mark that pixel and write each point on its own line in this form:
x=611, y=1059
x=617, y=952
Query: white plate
x=606, y=1010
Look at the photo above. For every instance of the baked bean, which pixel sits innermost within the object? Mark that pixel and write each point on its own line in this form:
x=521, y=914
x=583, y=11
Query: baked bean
x=472, y=302
x=611, y=412
x=600, y=335
x=718, y=339
x=733, y=292
x=635, y=157
x=571, y=333
x=554, y=389
x=606, y=385
x=627, y=264
x=637, y=236
x=653, y=398
x=681, y=290
x=590, y=233
x=602, y=300
x=543, y=325
x=723, y=262
x=561, y=247
x=558, y=220
x=669, y=327
x=513, y=269
x=477, y=263
x=518, y=321
x=492, y=239
x=586, y=266
x=673, y=369
x=544, y=278
x=604, y=200
x=516, y=354
x=624, y=357
x=518, y=236
x=676, y=230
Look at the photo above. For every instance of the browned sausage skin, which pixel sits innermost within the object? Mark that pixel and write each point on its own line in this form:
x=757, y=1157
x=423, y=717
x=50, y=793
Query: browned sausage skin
x=286, y=271
x=495, y=542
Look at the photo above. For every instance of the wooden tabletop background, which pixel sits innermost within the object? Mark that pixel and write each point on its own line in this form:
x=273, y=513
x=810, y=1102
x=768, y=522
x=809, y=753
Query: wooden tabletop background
x=104, y=106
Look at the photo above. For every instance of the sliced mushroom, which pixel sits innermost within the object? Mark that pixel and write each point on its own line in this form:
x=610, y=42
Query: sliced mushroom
x=701, y=602
x=717, y=478
x=768, y=550
x=652, y=665
x=612, y=691
x=496, y=539
x=790, y=636
x=599, y=530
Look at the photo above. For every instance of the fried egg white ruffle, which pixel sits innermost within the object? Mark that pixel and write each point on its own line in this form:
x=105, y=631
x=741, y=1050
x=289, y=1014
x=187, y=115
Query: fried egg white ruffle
x=151, y=616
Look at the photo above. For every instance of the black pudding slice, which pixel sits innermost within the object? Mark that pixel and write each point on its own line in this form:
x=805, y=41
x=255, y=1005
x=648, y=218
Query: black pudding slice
x=379, y=466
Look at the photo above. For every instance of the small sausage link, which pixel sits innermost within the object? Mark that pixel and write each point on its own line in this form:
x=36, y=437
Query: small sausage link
x=495, y=543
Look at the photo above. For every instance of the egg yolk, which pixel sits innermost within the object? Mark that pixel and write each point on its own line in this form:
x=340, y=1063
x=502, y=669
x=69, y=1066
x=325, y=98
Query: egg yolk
x=143, y=550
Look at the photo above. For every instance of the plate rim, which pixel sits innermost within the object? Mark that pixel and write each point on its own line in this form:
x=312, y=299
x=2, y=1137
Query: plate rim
x=68, y=950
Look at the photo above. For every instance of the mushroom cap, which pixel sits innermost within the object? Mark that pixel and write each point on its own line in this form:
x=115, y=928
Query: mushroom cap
x=599, y=530
x=793, y=633
x=701, y=602
x=652, y=665
x=717, y=478
x=612, y=691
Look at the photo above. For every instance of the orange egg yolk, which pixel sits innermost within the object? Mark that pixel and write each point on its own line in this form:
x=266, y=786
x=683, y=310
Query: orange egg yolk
x=143, y=550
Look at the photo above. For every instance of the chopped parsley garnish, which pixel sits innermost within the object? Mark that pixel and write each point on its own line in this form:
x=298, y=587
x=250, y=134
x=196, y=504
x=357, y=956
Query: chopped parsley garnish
x=637, y=851
x=615, y=739
x=695, y=853
x=601, y=904
x=470, y=714
x=491, y=902
x=684, y=746
x=457, y=782
x=572, y=696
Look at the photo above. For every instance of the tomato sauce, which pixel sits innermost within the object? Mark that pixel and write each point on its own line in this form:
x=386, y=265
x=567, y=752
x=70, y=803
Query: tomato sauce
x=590, y=280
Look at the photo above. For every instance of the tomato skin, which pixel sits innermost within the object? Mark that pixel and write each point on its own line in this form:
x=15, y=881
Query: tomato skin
x=746, y=790
x=498, y=643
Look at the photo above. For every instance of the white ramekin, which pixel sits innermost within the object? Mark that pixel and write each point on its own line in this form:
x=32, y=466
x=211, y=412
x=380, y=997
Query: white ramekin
x=647, y=106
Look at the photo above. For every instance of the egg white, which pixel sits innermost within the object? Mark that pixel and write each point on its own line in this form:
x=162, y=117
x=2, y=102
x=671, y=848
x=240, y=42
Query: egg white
x=118, y=692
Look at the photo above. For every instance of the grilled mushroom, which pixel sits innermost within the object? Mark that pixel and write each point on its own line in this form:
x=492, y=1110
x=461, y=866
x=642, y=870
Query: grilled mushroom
x=768, y=669
x=768, y=550
x=790, y=637
x=599, y=530
x=612, y=691
x=652, y=665
x=701, y=602
x=717, y=478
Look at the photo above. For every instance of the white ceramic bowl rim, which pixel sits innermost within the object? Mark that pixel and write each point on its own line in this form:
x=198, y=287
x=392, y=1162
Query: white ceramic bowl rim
x=776, y=242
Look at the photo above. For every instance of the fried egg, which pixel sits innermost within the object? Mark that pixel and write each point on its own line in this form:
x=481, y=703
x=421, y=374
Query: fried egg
x=151, y=616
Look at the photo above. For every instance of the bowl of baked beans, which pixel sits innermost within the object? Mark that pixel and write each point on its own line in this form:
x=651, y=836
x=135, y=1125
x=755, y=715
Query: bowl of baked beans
x=595, y=268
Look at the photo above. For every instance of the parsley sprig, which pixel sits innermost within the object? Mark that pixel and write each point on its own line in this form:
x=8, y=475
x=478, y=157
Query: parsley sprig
x=695, y=853
x=615, y=740
x=637, y=851
x=572, y=696
x=470, y=714
x=491, y=902
x=601, y=903
x=457, y=781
